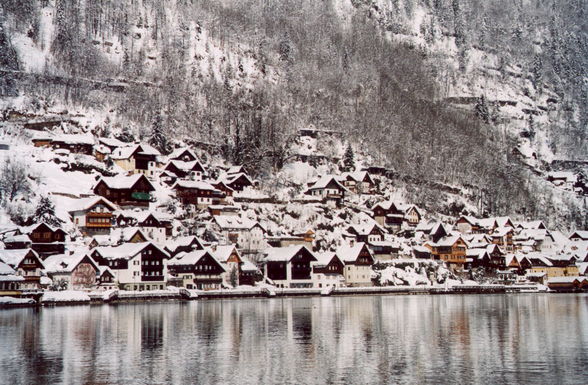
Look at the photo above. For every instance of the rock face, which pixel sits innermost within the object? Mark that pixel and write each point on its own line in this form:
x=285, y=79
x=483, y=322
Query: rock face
x=428, y=86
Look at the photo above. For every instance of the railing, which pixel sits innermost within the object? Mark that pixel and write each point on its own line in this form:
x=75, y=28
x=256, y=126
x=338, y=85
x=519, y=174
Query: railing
x=141, y=196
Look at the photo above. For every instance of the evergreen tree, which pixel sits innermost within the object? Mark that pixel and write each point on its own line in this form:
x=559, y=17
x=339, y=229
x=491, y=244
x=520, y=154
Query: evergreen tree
x=158, y=139
x=348, y=159
x=45, y=212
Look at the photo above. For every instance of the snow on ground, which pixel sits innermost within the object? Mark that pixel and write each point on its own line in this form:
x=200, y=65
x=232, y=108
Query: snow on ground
x=15, y=301
x=65, y=296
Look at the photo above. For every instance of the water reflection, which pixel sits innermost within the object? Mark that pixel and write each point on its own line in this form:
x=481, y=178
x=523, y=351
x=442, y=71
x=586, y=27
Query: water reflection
x=395, y=339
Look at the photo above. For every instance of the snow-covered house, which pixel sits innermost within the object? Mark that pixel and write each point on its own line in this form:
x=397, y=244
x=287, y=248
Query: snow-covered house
x=112, y=143
x=78, y=270
x=579, y=236
x=198, y=193
x=236, y=182
x=397, y=216
x=196, y=269
x=151, y=224
x=137, y=159
x=93, y=215
x=328, y=271
x=368, y=233
x=358, y=182
x=183, y=244
x=27, y=264
x=562, y=178
x=193, y=170
x=503, y=237
x=289, y=267
x=245, y=233
x=183, y=154
x=46, y=240
x=137, y=266
x=119, y=236
x=9, y=280
x=249, y=273
x=74, y=143
x=538, y=239
x=329, y=189
x=229, y=257
x=358, y=261
x=106, y=278
x=125, y=191
x=467, y=224
x=451, y=249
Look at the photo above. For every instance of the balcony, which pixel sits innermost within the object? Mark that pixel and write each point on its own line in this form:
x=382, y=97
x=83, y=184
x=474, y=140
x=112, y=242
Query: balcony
x=99, y=220
x=141, y=196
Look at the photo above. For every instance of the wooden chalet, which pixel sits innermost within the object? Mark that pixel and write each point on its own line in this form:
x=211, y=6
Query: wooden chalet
x=396, y=216
x=236, y=182
x=229, y=257
x=196, y=269
x=329, y=189
x=289, y=267
x=78, y=144
x=198, y=193
x=46, y=240
x=93, y=215
x=183, y=245
x=181, y=169
x=26, y=263
x=367, y=233
x=125, y=191
x=451, y=250
x=358, y=182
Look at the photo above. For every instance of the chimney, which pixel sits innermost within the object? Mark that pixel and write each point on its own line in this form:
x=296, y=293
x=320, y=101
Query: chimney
x=351, y=242
x=213, y=246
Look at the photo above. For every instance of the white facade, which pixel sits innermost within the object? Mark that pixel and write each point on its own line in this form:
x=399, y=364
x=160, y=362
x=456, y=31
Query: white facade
x=357, y=275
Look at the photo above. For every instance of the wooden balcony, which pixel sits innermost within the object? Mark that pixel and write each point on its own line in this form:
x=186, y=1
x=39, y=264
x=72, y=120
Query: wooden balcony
x=99, y=220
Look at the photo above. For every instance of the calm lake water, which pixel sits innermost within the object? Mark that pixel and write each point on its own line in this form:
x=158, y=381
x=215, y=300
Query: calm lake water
x=504, y=339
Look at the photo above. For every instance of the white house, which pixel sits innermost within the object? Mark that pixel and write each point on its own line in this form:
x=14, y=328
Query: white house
x=358, y=261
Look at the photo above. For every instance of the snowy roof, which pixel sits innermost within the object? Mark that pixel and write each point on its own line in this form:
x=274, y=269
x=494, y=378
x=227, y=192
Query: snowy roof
x=66, y=263
x=128, y=151
x=531, y=225
x=448, y=241
x=324, y=258
x=476, y=253
x=284, y=254
x=126, y=250
x=31, y=228
x=223, y=253
x=324, y=181
x=15, y=256
x=236, y=170
x=501, y=231
x=187, y=240
x=126, y=232
x=7, y=273
x=21, y=238
x=230, y=178
x=74, y=139
x=87, y=203
x=421, y=249
x=235, y=222
x=358, y=176
x=568, y=279
x=179, y=151
x=191, y=258
x=194, y=184
x=122, y=182
x=112, y=142
x=582, y=267
x=102, y=149
x=365, y=229
x=185, y=166
x=248, y=266
x=348, y=253
x=580, y=234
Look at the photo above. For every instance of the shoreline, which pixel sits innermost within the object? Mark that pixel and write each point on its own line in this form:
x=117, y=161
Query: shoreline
x=183, y=295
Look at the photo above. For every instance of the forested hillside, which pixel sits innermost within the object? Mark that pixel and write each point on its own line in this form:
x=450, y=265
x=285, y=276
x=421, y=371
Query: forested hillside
x=471, y=94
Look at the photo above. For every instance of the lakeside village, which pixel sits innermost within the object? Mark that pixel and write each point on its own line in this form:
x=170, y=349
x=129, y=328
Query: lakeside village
x=131, y=220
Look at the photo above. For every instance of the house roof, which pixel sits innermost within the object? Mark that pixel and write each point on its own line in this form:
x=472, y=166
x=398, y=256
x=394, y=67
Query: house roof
x=128, y=151
x=193, y=184
x=126, y=250
x=112, y=142
x=324, y=181
x=31, y=228
x=74, y=139
x=185, y=166
x=348, y=253
x=231, y=178
x=224, y=252
x=14, y=257
x=449, y=241
x=173, y=244
x=365, y=229
x=20, y=238
x=235, y=222
x=284, y=254
x=179, y=151
x=87, y=203
x=531, y=225
x=236, y=170
x=7, y=273
x=568, y=279
x=66, y=263
x=357, y=176
x=191, y=258
x=248, y=266
x=582, y=234
x=123, y=182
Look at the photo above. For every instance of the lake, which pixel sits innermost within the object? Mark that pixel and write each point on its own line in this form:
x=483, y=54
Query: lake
x=449, y=339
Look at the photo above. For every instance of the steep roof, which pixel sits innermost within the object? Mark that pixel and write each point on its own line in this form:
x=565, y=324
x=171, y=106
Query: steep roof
x=192, y=258
x=179, y=151
x=582, y=234
x=126, y=250
x=285, y=254
x=14, y=257
x=348, y=253
x=325, y=180
x=193, y=184
x=87, y=203
x=173, y=244
x=66, y=263
x=123, y=182
x=128, y=151
x=224, y=252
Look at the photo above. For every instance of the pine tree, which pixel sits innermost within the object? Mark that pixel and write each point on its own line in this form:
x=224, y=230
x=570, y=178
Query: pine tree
x=158, y=138
x=45, y=212
x=348, y=159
